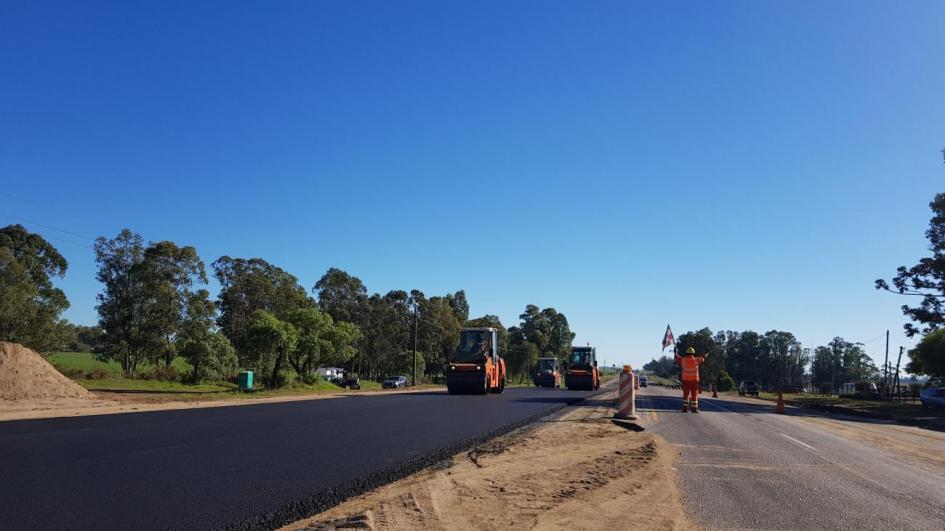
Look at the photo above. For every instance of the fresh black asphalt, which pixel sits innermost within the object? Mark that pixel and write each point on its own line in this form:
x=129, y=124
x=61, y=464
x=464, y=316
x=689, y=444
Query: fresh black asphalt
x=248, y=466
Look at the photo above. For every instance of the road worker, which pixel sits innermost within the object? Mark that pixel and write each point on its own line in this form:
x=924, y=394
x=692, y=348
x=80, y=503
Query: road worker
x=690, y=378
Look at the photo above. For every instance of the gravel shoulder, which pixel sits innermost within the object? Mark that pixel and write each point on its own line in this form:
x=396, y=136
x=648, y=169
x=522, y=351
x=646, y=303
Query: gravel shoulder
x=571, y=470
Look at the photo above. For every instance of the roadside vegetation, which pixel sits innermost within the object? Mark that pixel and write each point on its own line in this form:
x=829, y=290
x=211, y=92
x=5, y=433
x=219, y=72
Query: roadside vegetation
x=160, y=330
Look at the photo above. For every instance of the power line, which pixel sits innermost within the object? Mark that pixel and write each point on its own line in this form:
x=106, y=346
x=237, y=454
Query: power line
x=38, y=224
x=74, y=216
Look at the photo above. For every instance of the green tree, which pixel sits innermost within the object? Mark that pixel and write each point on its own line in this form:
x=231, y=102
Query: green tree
x=536, y=328
x=560, y=336
x=387, y=331
x=87, y=338
x=726, y=383
x=926, y=279
x=403, y=364
x=928, y=357
x=122, y=304
x=343, y=338
x=438, y=331
x=459, y=304
x=840, y=362
x=270, y=341
x=146, y=291
x=744, y=358
x=167, y=275
x=30, y=305
x=664, y=367
x=248, y=285
x=548, y=330
x=341, y=295
x=212, y=357
x=522, y=359
x=209, y=352
x=785, y=359
x=320, y=341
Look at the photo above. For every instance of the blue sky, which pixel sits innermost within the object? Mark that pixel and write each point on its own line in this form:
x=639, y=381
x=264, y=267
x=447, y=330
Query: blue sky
x=737, y=165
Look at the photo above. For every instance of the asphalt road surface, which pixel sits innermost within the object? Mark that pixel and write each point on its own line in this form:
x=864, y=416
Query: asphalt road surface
x=741, y=466
x=252, y=465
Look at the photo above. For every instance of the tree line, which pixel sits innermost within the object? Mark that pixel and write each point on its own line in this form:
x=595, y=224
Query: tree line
x=773, y=360
x=155, y=306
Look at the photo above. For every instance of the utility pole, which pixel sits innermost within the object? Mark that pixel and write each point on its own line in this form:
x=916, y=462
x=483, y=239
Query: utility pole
x=416, y=325
x=897, y=367
x=886, y=367
x=833, y=370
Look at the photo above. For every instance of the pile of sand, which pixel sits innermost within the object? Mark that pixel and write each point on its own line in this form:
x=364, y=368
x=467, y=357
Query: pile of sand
x=26, y=376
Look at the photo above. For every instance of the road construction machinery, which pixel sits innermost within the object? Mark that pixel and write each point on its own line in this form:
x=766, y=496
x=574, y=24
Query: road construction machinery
x=581, y=369
x=546, y=373
x=476, y=366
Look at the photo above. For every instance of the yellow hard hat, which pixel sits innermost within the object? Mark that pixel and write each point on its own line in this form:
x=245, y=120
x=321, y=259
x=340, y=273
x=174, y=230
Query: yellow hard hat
x=690, y=350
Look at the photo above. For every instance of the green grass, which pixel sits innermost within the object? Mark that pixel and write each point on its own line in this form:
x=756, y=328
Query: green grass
x=126, y=384
x=85, y=361
x=78, y=364
x=71, y=363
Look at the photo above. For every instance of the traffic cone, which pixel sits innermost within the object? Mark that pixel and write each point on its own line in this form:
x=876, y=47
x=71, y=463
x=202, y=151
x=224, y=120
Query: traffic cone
x=780, y=407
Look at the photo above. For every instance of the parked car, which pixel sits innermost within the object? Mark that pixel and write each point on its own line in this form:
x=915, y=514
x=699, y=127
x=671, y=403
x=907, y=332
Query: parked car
x=394, y=382
x=933, y=397
x=642, y=380
x=748, y=388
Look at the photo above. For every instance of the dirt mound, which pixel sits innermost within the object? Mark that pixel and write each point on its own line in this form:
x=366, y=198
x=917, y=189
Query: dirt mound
x=25, y=375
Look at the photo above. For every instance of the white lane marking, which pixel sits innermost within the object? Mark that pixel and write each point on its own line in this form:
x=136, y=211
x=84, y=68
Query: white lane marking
x=792, y=439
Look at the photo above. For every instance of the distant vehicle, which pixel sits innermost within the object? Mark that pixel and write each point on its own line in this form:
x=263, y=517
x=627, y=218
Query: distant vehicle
x=347, y=383
x=394, y=382
x=748, y=388
x=865, y=390
x=933, y=397
x=642, y=380
x=476, y=367
x=581, y=369
x=546, y=373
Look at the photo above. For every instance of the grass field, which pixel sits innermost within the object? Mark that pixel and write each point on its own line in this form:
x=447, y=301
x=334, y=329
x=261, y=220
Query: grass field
x=77, y=365
x=121, y=383
x=85, y=361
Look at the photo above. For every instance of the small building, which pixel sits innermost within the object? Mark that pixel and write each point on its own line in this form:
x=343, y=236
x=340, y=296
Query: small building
x=330, y=372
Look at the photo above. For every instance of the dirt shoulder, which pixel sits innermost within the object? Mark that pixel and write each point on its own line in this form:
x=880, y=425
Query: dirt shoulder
x=573, y=470
x=114, y=403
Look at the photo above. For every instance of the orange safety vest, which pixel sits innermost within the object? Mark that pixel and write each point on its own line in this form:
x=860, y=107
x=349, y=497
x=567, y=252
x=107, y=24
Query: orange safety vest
x=690, y=368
